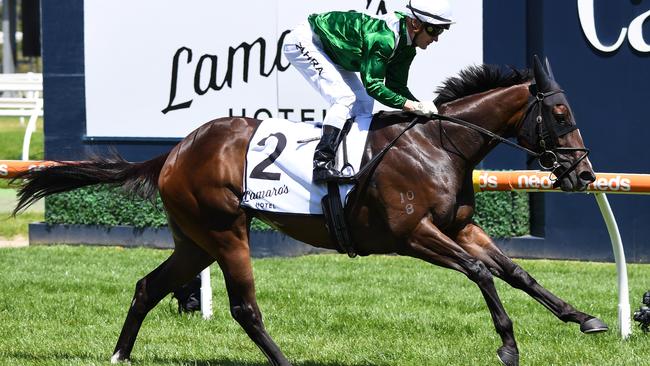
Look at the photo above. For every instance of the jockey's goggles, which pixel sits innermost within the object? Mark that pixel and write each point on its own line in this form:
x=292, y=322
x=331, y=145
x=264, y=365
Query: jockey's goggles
x=434, y=30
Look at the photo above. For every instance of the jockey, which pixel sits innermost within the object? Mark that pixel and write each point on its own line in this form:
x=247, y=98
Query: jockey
x=330, y=48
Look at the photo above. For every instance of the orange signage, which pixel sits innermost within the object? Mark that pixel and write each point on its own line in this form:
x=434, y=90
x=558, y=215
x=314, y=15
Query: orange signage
x=484, y=180
x=538, y=181
x=10, y=168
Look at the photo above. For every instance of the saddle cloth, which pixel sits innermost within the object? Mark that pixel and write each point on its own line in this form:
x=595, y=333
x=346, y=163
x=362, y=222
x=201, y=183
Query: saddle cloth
x=279, y=164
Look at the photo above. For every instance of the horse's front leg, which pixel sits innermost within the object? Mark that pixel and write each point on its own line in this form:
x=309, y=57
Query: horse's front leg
x=476, y=242
x=427, y=242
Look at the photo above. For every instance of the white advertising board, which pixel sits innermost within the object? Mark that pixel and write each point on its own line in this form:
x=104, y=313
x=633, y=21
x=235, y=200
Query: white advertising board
x=160, y=68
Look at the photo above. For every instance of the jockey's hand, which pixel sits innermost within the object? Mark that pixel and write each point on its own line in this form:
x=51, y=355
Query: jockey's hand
x=425, y=108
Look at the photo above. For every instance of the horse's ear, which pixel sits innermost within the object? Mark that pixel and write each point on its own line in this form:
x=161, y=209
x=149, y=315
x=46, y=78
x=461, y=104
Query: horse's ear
x=541, y=78
x=547, y=63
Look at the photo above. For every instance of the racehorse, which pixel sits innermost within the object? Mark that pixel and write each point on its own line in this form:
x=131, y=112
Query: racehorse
x=416, y=201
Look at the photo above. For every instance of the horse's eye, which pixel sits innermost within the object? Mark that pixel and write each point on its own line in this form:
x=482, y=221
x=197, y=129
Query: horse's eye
x=561, y=114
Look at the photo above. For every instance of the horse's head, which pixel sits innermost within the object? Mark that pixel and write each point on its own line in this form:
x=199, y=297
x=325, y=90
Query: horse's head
x=550, y=130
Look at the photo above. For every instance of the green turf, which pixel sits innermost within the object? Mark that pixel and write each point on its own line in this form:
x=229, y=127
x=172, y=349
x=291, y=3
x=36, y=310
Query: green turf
x=11, y=139
x=11, y=227
x=8, y=199
x=5, y=184
x=11, y=145
x=65, y=306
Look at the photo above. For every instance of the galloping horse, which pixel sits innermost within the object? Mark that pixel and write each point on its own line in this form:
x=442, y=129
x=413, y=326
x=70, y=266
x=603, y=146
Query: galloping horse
x=432, y=162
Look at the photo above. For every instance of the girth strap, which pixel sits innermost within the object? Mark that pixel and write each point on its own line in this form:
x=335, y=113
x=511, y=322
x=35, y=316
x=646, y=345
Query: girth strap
x=335, y=220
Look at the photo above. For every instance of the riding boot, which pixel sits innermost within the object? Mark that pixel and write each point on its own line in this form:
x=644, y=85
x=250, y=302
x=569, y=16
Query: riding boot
x=325, y=154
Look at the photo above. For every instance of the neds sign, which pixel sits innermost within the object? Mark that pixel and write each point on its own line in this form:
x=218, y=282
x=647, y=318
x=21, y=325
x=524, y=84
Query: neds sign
x=634, y=31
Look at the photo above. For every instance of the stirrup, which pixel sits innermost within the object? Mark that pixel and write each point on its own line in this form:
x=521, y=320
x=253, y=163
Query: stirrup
x=324, y=175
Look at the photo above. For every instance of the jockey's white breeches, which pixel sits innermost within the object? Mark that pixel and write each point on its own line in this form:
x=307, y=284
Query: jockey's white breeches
x=342, y=89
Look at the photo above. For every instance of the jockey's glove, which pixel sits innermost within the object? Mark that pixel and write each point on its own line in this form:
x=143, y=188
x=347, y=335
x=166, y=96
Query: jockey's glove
x=425, y=108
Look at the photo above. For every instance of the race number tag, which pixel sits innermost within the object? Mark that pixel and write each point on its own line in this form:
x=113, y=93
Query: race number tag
x=279, y=161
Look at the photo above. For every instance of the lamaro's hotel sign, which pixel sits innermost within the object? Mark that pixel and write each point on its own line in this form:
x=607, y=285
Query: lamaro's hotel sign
x=168, y=68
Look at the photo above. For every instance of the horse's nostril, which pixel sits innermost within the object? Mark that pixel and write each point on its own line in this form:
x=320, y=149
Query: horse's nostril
x=587, y=176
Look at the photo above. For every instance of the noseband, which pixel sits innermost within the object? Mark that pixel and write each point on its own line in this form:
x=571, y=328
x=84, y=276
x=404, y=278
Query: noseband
x=544, y=134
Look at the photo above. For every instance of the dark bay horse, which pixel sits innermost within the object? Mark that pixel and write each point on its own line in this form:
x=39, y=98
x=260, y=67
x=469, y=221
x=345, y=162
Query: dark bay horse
x=417, y=202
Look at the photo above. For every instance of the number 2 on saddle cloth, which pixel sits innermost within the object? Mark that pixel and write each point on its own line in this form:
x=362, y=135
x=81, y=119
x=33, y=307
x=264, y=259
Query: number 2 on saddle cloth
x=279, y=171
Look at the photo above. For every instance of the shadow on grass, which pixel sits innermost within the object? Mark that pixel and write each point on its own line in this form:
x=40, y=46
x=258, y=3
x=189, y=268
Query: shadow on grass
x=230, y=362
x=86, y=359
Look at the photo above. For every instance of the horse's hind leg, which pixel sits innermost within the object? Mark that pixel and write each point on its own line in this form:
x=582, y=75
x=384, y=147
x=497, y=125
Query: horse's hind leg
x=233, y=256
x=185, y=263
x=475, y=241
x=427, y=242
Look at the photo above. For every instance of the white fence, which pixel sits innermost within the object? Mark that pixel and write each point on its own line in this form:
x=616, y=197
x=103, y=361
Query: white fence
x=22, y=96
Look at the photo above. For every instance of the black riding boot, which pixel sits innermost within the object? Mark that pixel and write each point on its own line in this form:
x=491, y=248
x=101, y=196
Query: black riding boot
x=324, y=164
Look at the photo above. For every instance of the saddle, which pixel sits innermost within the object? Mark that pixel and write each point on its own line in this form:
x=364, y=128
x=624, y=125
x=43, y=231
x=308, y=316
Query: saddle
x=333, y=209
x=278, y=176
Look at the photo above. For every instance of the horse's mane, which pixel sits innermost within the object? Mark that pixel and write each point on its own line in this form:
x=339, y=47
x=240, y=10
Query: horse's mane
x=480, y=78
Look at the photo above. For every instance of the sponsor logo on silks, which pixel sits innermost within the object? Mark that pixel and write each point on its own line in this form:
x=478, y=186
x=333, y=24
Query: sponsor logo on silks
x=634, y=32
x=314, y=63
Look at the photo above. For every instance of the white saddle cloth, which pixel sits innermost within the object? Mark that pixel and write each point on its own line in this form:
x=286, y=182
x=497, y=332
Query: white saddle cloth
x=279, y=164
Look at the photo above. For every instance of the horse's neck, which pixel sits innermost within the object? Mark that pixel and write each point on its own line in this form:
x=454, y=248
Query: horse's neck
x=498, y=111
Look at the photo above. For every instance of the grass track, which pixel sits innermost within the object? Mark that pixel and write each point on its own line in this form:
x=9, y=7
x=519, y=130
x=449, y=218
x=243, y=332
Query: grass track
x=65, y=306
x=11, y=227
x=11, y=139
x=11, y=142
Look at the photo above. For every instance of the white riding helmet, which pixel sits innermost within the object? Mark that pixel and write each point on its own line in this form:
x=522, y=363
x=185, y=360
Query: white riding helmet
x=436, y=12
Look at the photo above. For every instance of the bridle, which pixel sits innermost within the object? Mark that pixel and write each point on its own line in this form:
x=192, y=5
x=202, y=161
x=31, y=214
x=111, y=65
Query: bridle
x=539, y=132
x=544, y=134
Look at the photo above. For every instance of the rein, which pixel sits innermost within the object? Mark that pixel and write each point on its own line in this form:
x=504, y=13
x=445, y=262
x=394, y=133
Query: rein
x=548, y=159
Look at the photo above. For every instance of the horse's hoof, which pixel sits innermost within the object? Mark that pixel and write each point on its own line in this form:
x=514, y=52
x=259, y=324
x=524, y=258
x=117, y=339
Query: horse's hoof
x=117, y=358
x=508, y=357
x=593, y=325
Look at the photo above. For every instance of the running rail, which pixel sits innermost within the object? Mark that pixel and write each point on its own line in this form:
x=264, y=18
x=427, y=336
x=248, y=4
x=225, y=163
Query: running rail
x=518, y=180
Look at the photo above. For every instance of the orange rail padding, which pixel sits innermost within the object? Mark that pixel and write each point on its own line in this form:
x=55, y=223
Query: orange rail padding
x=519, y=180
x=538, y=181
x=10, y=168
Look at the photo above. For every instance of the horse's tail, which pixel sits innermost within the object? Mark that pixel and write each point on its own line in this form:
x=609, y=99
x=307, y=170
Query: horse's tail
x=137, y=178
